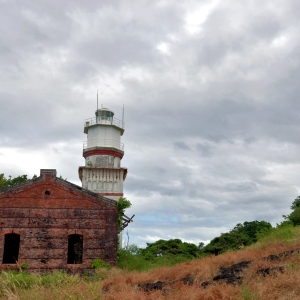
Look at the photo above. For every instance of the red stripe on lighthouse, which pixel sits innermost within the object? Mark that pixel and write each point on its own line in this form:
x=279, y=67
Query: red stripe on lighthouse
x=102, y=152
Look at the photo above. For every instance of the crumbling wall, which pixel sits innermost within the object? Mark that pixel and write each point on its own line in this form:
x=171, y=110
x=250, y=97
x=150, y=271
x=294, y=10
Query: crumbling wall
x=45, y=213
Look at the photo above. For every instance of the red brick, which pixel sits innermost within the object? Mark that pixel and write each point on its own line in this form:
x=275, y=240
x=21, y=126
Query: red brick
x=44, y=223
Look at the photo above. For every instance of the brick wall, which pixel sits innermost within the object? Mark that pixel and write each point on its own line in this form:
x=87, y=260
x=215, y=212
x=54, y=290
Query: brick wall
x=45, y=211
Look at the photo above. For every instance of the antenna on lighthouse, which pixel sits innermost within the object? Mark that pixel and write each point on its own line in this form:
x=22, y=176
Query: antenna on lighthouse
x=123, y=117
x=97, y=99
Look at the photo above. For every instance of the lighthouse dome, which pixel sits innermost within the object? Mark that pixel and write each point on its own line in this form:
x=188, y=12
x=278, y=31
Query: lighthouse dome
x=104, y=114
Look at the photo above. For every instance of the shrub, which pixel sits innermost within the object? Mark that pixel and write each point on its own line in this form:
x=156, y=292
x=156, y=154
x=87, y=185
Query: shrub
x=98, y=263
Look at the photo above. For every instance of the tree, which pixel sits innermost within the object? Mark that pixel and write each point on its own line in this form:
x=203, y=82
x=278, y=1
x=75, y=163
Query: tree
x=171, y=247
x=122, y=204
x=241, y=235
x=227, y=241
x=201, y=246
x=9, y=182
x=2, y=181
x=296, y=203
x=251, y=229
x=294, y=217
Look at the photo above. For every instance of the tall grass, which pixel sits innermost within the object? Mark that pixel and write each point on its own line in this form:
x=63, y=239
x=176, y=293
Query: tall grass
x=58, y=285
x=122, y=282
x=285, y=233
x=140, y=263
x=254, y=286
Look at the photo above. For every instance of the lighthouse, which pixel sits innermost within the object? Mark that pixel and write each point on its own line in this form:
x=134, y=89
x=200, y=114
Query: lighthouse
x=103, y=152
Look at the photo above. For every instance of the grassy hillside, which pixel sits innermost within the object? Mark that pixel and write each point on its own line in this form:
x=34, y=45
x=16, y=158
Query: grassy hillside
x=267, y=276
x=269, y=269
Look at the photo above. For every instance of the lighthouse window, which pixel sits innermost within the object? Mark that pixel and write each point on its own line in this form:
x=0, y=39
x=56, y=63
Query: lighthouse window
x=105, y=115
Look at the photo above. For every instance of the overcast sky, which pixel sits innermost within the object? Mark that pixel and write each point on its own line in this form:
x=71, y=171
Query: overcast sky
x=211, y=94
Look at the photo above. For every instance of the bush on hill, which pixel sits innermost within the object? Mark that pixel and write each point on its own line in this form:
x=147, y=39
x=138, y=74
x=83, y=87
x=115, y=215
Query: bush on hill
x=241, y=235
x=170, y=247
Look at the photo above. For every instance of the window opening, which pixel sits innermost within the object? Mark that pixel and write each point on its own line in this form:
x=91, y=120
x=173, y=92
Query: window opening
x=11, y=248
x=75, y=248
x=47, y=194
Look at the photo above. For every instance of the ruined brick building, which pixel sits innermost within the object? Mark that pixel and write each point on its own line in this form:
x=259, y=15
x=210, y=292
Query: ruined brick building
x=48, y=223
x=51, y=224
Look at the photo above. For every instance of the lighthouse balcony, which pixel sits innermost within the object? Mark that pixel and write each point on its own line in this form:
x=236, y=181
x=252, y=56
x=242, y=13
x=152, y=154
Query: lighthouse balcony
x=105, y=143
x=104, y=121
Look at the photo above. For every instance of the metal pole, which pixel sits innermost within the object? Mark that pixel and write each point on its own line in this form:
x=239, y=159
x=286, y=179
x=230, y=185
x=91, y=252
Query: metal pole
x=123, y=117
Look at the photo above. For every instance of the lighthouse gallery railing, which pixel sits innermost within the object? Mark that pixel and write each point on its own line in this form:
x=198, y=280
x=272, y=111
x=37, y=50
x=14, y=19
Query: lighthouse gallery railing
x=103, y=143
x=101, y=120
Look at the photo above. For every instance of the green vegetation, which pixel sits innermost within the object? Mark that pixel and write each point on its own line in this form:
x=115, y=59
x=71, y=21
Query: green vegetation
x=167, y=253
x=241, y=235
x=24, y=266
x=13, y=281
x=170, y=248
x=122, y=204
x=294, y=217
x=138, y=262
x=174, y=251
x=58, y=285
x=161, y=253
x=246, y=293
x=98, y=263
x=9, y=182
x=284, y=232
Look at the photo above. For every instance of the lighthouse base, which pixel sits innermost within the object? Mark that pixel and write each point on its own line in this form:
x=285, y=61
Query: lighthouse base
x=107, y=182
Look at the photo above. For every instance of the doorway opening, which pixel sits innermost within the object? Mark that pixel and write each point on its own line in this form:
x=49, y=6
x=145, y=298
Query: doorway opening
x=11, y=248
x=75, y=248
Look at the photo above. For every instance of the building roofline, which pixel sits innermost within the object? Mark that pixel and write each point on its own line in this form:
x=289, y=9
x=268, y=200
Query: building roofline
x=86, y=191
x=52, y=173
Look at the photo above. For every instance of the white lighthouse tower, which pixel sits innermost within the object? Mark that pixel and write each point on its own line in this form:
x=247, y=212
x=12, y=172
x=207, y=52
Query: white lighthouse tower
x=103, y=152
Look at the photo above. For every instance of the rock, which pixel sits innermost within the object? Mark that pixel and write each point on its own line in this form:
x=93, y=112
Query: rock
x=205, y=284
x=150, y=286
x=160, y=285
x=281, y=255
x=188, y=280
x=232, y=274
x=270, y=271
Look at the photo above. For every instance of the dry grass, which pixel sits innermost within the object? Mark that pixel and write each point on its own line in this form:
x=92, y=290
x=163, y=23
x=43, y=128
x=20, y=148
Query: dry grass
x=254, y=286
x=58, y=286
x=118, y=284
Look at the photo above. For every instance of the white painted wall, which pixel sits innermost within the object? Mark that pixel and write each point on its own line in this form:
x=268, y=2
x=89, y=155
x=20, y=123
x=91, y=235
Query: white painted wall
x=106, y=161
x=107, y=136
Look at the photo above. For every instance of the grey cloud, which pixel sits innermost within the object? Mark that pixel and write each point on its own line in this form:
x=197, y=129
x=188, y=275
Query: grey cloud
x=181, y=145
x=204, y=149
x=212, y=127
x=241, y=187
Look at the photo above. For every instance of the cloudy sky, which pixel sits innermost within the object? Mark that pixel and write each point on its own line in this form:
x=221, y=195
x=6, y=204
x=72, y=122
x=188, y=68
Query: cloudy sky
x=211, y=94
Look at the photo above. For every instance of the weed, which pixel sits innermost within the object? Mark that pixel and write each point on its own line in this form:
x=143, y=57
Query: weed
x=246, y=293
x=98, y=263
x=285, y=233
x=24, y=266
